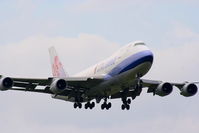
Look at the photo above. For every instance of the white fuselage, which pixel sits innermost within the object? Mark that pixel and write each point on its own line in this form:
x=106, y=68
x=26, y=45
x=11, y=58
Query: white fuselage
x=119, y=71
x=106, y=66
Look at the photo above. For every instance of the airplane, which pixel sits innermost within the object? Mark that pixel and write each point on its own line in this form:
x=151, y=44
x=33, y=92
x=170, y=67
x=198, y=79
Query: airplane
x=117, y=77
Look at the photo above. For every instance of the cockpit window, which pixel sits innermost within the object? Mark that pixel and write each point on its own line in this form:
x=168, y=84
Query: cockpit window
x=141, y=43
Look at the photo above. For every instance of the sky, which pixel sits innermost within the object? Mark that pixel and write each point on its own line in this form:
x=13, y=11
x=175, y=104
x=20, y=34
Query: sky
x=85, y=32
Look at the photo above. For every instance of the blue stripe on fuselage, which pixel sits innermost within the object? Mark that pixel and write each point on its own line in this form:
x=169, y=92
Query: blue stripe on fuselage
x=132, y=61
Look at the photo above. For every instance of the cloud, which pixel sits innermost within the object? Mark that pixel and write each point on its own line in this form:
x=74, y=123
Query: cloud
x=25, y=5
x=180, y=56
x=116, y=5
x=105, y=5
x=176, y=63
x=183, y=32
x=33, y=51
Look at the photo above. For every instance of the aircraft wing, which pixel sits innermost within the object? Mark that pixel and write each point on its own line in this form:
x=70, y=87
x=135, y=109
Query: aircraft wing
x=160, y=88
x=152, y=84
x=43, y=85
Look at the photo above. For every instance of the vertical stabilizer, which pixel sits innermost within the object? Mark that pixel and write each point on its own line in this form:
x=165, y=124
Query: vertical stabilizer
x=57, y=68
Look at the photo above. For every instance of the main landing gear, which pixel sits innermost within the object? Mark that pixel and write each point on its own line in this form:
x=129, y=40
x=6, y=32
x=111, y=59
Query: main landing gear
x=126, y=104
x=89, y=105
x=86, y=106
x=106, y=105
x=78, y=100
x=77, y=104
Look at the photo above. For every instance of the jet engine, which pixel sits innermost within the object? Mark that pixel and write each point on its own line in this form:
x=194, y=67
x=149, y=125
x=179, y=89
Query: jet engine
x=164, y=89
x=189, y=89
x=6, y=83
x=58, y=86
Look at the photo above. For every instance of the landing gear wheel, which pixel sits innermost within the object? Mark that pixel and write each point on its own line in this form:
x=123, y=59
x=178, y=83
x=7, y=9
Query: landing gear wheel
x=109, y=105
x=129, y=101
x=75, y=105
x=103, y=106
x=107, y=108
x=123, y=107
x=92, y=104
x=124, y=100
x=127, y=107
x=80, y=105
x=86, y=106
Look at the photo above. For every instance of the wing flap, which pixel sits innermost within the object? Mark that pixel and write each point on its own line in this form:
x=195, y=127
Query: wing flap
x=25, y=85
x=38, y=81
x=33, y=90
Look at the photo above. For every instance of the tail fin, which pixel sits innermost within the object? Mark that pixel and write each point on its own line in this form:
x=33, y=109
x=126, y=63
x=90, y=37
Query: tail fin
x=57, y=68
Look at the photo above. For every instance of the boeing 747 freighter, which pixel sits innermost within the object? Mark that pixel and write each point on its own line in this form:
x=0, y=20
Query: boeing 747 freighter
x=117, y=77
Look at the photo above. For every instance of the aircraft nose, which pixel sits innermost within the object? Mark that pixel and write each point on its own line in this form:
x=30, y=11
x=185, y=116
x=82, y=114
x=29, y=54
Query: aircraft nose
x=152, y=56
x=148, y=56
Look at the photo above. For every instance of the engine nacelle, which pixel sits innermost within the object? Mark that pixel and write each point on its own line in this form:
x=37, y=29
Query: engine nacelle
x=58, y=86
x=6, y=83
x=189, y=89
x=164, y=89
